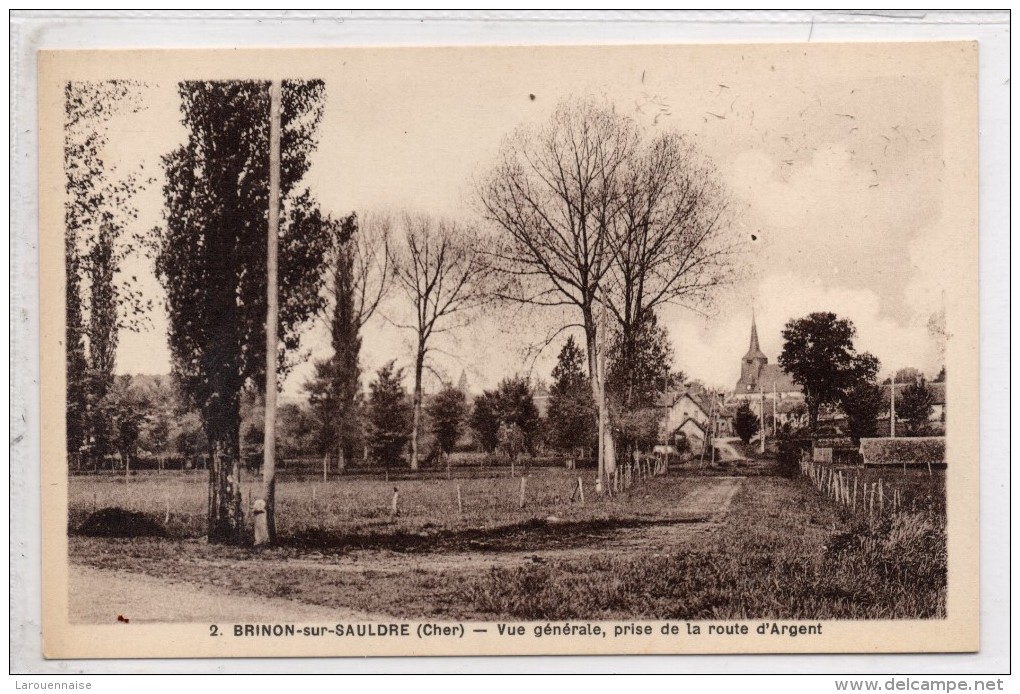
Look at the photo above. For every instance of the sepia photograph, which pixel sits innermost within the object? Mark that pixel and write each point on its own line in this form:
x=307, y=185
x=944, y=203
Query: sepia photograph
x=592, y=349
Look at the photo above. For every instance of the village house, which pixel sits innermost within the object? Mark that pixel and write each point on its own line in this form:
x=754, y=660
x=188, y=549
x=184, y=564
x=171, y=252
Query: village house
x=695, y=412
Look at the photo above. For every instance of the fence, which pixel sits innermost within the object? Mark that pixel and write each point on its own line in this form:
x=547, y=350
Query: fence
x=856, y=495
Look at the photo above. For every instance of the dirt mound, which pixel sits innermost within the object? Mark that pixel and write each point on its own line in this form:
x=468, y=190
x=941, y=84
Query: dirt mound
x=533, y=534
x=116, y=522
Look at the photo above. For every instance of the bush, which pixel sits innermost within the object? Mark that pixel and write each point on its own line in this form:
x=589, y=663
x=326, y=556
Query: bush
x=789, y=454
x=904, y=451
x=746, y=423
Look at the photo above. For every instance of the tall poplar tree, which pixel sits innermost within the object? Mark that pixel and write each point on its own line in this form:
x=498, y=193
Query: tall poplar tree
x=357, y=279
x=212, y=258
x=97, y=210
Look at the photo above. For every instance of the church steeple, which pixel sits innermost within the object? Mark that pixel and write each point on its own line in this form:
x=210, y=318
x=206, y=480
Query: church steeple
x=754, y=351
x=752, y=363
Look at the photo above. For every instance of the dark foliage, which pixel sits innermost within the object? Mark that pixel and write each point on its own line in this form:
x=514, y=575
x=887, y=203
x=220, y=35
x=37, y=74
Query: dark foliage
x=745, y=422
x=862, y=406
x=509, y=406
x=573, y=420
x=335, y=390
x=448, y=410
x=819, y=354
x=485, y=421
x=389, y=415
x=915, y=405
x=640, y=363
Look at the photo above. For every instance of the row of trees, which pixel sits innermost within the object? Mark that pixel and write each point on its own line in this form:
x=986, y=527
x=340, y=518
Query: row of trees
x=97, y=212
x=588, y=213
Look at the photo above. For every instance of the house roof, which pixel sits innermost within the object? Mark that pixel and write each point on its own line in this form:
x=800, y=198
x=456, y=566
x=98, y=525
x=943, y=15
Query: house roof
x=698, y=395
x=692, y=421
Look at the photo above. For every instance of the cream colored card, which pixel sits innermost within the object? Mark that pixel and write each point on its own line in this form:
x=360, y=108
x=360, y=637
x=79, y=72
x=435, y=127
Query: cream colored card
x=846, y=177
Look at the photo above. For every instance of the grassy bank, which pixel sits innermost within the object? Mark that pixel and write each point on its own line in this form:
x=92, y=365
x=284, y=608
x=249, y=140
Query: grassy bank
x=784, y=553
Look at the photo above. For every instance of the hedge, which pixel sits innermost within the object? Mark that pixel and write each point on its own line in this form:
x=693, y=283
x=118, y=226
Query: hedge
x=904, y=451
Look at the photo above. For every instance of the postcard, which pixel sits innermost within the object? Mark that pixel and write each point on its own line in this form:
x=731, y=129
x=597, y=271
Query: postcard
x=616, y=349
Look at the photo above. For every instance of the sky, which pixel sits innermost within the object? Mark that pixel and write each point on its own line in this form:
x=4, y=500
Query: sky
x=834, y=162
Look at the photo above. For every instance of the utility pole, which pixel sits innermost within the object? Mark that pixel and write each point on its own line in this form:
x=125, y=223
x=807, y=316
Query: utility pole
x=709, y=442
x=774, y=399
x=761, y=411
x=711, y=424
x=272, y=297
x=892, y=406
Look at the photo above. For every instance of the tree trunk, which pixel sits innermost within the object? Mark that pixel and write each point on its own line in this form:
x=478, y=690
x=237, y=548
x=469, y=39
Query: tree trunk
x=226, y=522
x=419, y=366
x=606, y=444
x=226, y=516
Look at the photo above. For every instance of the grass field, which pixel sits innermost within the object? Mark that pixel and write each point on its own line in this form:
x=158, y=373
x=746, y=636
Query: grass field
x=312, y=510
x=781, y=549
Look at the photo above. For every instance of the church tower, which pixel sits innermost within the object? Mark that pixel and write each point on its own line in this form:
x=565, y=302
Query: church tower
x=752, y=363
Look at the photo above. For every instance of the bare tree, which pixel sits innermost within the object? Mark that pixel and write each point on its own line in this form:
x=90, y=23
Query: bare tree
x=675, y=246
x=436, y=265
x=557, y=192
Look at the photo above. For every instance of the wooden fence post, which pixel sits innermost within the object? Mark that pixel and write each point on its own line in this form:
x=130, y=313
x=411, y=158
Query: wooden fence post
x=524, y=484
x=396, y=497
x=580, y=486
x=460, y=502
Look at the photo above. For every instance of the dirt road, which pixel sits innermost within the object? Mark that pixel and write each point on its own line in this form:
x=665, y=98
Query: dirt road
x=99, y=597
x=727, y=451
